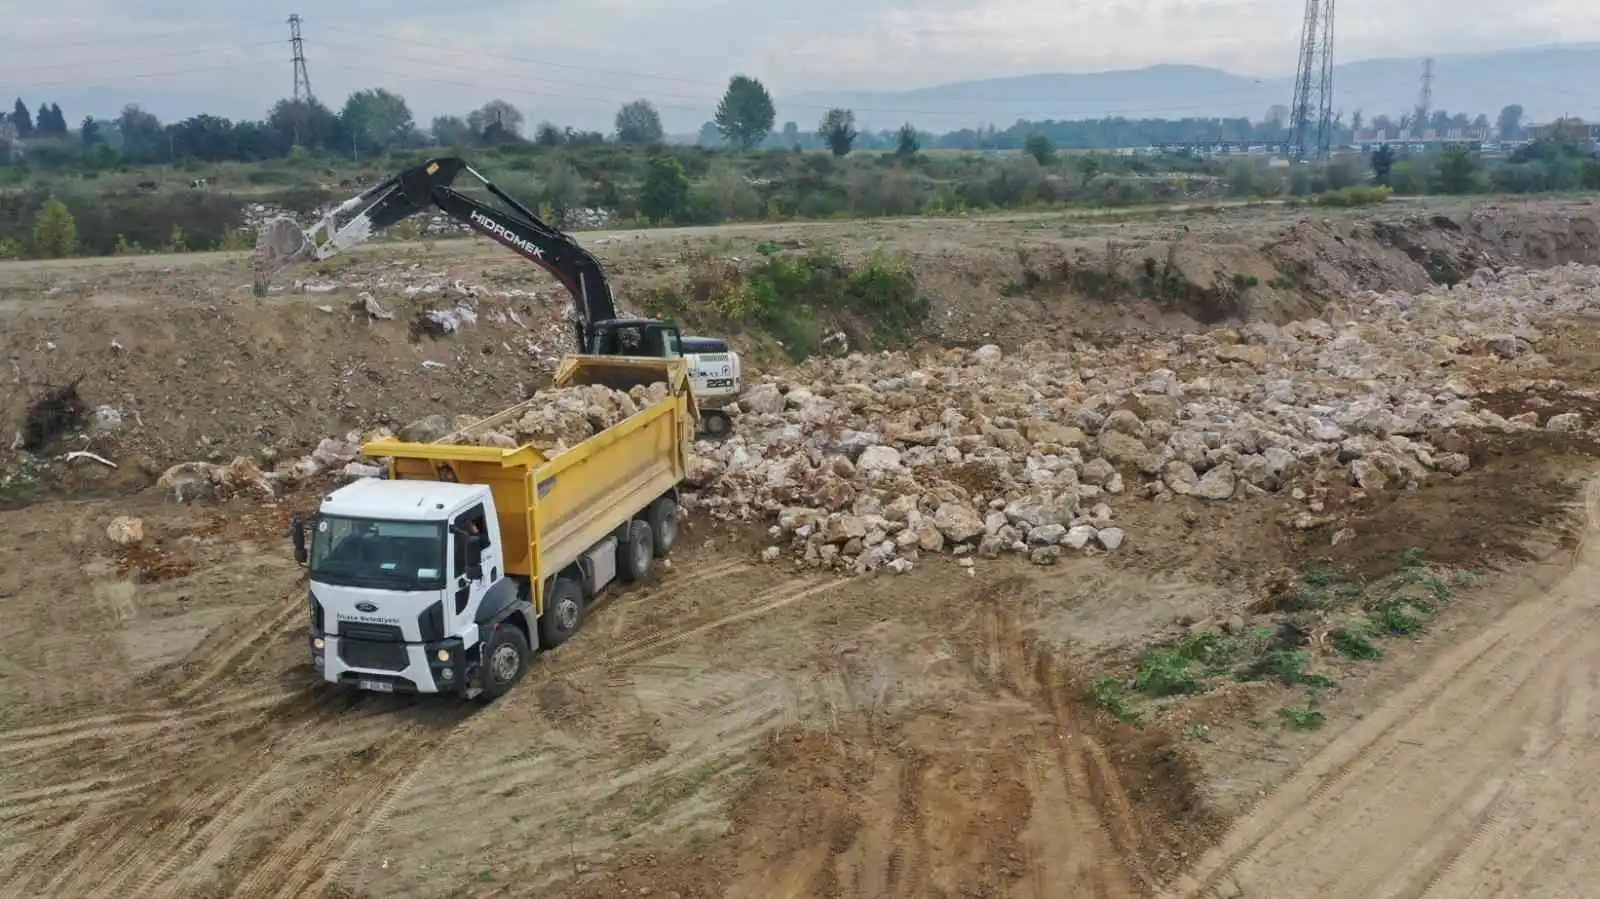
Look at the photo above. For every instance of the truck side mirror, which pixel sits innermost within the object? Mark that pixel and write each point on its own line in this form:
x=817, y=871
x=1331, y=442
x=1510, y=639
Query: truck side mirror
x=297, y=533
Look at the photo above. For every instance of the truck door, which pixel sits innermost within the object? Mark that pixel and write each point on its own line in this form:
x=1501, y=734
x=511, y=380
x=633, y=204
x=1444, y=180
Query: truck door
x=468, y=591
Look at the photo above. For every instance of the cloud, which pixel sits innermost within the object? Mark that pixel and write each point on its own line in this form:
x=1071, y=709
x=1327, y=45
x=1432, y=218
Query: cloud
x=582, y=58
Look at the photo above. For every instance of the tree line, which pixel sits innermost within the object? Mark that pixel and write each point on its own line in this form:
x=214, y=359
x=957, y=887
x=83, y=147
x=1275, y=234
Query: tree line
x=375, y=120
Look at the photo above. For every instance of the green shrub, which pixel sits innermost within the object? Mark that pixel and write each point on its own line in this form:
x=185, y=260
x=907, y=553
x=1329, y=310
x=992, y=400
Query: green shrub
x=1355, y=196
x=55, y=233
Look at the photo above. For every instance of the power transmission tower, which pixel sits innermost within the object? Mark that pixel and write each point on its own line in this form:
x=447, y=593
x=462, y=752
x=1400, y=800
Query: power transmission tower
x=1311, y=113
x=1424, y=100
x=302, y=81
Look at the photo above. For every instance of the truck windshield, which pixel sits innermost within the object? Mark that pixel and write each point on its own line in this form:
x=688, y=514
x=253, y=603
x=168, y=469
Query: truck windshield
x=389, y=555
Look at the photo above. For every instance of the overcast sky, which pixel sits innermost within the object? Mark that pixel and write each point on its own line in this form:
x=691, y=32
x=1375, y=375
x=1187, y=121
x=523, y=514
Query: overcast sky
x=580, y=56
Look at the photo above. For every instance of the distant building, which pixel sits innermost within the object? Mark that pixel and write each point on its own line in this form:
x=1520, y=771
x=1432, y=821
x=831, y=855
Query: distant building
x=1577, y=128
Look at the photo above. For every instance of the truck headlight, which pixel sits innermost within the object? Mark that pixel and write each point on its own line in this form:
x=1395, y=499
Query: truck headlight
x=318, y=643
x=443, y=655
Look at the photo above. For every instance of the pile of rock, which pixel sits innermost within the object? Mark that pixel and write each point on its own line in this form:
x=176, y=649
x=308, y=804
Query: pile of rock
x=557, y=419
x=870, y=459
x=553, y=421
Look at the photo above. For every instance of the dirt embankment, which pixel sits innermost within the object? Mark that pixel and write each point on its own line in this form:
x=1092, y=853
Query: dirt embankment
x=176, y=361
x=1230, y=269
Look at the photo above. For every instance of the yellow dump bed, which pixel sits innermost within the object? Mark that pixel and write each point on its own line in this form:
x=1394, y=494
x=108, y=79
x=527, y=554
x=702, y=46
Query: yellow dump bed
x=553, y=509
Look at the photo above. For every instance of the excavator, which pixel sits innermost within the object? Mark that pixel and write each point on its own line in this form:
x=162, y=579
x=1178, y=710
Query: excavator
x=714, y=367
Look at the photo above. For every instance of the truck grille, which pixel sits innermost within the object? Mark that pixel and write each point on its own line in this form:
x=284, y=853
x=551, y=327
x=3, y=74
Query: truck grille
x=375, y=633
x=368, y=654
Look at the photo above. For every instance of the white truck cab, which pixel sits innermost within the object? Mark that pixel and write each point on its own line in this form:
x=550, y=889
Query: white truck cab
x=400, y=572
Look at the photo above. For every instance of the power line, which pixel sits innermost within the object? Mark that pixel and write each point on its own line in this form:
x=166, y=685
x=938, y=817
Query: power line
x=8, y=71
x=366, y=35
x=139, y=38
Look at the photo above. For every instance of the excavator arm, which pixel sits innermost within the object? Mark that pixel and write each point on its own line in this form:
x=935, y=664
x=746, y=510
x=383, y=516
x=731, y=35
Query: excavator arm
x=428, y=186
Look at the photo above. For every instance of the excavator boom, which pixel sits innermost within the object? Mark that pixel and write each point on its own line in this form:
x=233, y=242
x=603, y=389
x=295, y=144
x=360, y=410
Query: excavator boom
x=428, y=186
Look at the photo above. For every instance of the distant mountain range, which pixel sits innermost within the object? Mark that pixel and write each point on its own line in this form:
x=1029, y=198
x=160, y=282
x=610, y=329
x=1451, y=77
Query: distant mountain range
x=1549, y=81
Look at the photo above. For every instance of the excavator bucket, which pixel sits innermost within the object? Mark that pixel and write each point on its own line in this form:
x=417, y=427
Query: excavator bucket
x=279, y=244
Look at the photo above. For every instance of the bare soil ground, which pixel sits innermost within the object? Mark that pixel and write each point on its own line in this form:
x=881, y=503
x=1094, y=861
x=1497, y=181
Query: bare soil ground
x=734, y=729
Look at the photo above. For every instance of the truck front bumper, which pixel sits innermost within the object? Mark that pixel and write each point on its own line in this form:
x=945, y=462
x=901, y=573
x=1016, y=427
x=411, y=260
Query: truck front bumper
x=408, y=668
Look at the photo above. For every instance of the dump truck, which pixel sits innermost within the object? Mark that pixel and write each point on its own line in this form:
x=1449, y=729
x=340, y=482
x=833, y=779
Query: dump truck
x=449, y=573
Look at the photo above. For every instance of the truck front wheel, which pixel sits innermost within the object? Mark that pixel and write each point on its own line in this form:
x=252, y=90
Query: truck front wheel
x=563, y=613
x=505, y=660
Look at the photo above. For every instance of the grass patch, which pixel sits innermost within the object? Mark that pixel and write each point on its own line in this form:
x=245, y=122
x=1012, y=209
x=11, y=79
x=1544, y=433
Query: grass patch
x=1349, y=197
x=1356, y=641
x=1111, y=696
x=796, y=300
x=1165, y=672
x=1320, y=599
x=1304, y=717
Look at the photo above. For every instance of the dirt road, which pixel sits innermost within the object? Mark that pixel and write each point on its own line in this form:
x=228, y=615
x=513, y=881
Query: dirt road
x=733, y=729
x=1476, y=780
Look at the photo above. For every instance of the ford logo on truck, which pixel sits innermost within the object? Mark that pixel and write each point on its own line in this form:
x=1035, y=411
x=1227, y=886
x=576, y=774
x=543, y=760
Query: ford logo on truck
x=367, y=607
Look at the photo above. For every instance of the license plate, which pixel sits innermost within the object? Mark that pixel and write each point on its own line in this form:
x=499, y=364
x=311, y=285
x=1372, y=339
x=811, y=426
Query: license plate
x=377, y=686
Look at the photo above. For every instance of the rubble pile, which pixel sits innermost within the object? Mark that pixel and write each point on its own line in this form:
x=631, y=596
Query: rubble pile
x=553, y=421
x=867, y=461
x=559, y=418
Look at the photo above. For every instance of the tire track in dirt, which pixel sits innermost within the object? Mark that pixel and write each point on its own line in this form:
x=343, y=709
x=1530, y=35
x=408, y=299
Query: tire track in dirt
x=1094, y=864
x=294, y=864
x=375, y=817
x=155, y=720
x=149, y=833
x=1369, y=798
x=638, y=648
x=238, y=650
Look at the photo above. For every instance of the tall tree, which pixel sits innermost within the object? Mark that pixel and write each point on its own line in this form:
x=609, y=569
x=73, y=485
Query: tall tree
x=548, y=135
x=1382, y=163
x=639, y=123
x=838, y=129
x=666, y=188
x=746, y=113
x=1458, y=172
x=709, y=136
x=1510, y=121
x=499, y=113
x=377, y=118
x=1040, y=148
x=21, y=119
x=906, y=142
x=142, y=140
x=450, y=131
x=89, y=132
x=307, y=123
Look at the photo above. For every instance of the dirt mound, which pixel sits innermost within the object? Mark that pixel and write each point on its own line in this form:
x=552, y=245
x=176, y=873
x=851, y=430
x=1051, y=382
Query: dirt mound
x=1241, y=266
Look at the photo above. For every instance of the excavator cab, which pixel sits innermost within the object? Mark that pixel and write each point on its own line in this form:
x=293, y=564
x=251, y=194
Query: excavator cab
x=635, y=337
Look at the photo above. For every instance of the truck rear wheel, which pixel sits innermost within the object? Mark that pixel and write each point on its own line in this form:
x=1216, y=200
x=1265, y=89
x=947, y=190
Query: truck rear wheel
x=505, y=660
x=563, y=613
x=637, y=552
x=663, y=518
x=715, y=424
